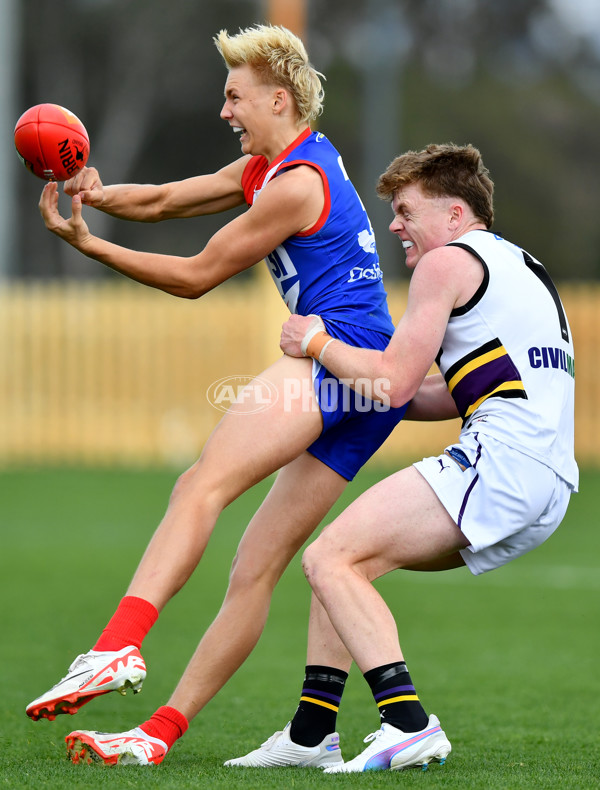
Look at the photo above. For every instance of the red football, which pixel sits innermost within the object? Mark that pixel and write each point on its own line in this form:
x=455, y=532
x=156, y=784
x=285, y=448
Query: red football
x=51, y=142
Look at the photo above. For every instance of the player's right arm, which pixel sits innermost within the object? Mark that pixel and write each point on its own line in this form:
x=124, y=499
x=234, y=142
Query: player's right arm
x=441, y=281
x=288, y=205
x=191, y=197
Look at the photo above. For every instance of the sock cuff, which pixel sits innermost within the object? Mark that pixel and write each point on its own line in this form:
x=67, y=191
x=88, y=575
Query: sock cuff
x=129, y=624
x=167, y=724
x=140, y=606
x=385, y=672
x=174, y=716
x=324, y=674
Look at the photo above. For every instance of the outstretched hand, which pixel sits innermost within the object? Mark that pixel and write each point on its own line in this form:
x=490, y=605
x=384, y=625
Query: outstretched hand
x=73, y=230
x=87, y=184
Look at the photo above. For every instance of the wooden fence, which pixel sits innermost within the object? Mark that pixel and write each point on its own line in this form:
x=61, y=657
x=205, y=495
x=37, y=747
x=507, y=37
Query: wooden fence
x=119, y=374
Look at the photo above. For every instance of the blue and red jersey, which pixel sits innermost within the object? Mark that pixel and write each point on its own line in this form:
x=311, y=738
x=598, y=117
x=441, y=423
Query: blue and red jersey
x=332, y=269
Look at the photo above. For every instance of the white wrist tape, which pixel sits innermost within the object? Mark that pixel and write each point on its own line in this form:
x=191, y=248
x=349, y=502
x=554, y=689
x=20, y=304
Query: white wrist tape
x=322, y=354
x=316, y=326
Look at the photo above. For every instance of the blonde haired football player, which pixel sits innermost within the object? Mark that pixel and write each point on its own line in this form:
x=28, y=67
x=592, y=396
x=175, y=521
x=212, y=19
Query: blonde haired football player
x=278, y=57
x=305, y=218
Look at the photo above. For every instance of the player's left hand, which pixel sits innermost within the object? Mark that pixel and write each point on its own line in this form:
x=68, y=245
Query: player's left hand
x=294, y=331
x=74, y=230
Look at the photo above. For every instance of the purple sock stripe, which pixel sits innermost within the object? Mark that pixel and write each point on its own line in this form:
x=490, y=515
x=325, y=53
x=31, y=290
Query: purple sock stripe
x=388, y=692
x=316, y=693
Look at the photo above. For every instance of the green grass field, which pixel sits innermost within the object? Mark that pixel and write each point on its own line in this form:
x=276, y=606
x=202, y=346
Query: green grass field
x=509, y=661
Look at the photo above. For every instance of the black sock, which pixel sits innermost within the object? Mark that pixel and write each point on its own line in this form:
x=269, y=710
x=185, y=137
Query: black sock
x=319, y=704
x=396, y=697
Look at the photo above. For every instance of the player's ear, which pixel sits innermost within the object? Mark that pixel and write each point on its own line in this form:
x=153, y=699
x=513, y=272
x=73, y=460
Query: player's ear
x=280, y=100
x=456, y=214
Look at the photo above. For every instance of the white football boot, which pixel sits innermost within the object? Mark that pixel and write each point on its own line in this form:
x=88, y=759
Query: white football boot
x=391, y=749
x=279, y=750
x=90, y=675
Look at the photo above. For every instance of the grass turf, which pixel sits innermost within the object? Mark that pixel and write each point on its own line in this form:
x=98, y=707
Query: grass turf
x=507, y=661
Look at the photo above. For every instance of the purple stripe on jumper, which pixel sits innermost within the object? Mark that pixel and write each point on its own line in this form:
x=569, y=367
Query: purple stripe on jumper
x=482, y=380
x=334, y=697
x=387, y=692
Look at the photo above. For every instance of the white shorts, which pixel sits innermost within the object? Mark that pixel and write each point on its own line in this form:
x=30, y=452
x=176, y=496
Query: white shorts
x=504, y=502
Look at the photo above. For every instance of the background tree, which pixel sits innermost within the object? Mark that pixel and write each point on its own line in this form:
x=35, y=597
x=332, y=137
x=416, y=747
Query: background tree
x=520, y=79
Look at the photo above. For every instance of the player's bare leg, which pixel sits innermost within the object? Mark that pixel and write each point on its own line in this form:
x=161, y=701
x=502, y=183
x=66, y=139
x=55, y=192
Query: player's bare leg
x=324, y=645
x=411, y=529
x=300, y=498
x=310, y=738
x=399, y=523
x=246, y=447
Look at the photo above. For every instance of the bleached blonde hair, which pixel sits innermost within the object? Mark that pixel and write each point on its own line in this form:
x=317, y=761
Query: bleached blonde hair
x=279, y=58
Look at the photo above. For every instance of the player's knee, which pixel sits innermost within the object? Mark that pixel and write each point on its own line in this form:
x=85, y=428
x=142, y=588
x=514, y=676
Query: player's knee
x=195, y=490
x=182, y=485
x=247, y=574
x=314, y=564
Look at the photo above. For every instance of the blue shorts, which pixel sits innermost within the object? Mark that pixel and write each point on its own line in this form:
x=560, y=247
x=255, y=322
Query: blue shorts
x=354, y=427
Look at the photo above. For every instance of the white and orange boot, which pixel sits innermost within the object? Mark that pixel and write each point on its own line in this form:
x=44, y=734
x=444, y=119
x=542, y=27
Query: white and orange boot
x=89, y=676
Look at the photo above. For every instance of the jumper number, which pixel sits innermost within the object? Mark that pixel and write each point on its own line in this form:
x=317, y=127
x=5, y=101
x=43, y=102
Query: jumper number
x=545, y=278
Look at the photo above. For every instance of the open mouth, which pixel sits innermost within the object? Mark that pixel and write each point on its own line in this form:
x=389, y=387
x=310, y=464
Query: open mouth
x=408, y=244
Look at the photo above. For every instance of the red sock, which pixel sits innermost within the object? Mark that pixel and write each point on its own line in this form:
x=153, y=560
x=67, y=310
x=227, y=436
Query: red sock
x=167, y=723
x=128, y=625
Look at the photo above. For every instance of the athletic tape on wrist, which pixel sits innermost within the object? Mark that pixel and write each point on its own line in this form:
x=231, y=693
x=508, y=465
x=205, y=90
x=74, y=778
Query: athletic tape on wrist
x=318, y=326
x=316, y=347
x=322, y=354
